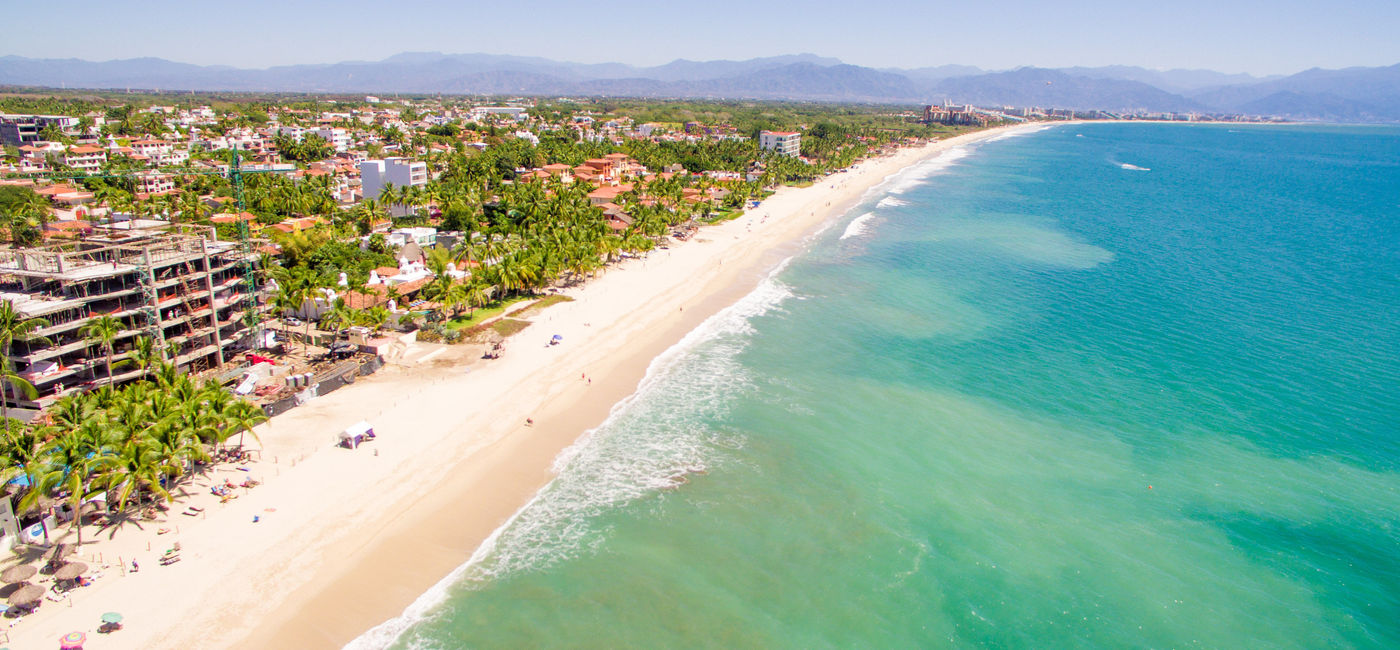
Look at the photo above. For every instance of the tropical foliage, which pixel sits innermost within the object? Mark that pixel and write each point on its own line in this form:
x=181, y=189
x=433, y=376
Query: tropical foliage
x=135, y=443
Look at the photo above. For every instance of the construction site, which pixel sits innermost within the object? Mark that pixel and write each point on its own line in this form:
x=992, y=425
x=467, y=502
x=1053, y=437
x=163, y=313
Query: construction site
x=190, y=293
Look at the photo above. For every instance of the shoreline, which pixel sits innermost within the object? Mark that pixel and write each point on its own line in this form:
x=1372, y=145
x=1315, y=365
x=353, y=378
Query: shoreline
x=349, y=539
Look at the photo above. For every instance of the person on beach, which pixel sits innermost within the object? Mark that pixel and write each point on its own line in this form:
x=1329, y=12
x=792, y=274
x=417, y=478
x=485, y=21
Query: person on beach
x=529, y=422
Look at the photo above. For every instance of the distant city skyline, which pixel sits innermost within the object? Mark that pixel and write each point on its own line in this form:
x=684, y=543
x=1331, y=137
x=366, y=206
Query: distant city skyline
x=1254, y=37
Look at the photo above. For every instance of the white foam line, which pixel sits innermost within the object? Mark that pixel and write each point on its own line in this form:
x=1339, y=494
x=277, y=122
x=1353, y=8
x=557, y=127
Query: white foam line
x=1016, y=133
x=733, y=319
x=858, y=226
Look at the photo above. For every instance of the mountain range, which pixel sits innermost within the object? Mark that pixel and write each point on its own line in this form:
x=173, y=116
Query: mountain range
x=1346, y=95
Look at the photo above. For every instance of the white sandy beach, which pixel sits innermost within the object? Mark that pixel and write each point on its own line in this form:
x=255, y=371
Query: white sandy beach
x=346, y=539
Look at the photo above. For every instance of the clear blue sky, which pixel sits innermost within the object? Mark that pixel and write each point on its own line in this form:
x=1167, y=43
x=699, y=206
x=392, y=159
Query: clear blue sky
x=1277, y=37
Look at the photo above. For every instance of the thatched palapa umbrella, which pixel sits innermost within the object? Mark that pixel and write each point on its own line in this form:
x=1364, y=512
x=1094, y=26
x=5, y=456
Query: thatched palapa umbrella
x=18, y=573
x=70, y=571
x=27, y=595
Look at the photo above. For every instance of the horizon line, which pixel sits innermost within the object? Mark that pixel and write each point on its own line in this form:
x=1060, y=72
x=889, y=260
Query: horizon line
x=681, y=59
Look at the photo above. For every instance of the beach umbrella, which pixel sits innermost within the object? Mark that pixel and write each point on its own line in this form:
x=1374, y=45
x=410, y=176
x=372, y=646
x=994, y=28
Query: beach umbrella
x=70, y=571
x=111, y=617
x=557, y=338
x=72, y=641
x=26, y=595
x=17, y=573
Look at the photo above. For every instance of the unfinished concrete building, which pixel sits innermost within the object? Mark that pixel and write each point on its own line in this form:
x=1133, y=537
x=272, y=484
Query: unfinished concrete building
x=178, y=285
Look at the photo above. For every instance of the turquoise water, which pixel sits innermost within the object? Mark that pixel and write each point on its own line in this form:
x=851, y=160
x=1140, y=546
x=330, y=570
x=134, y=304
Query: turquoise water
x=1024, y=397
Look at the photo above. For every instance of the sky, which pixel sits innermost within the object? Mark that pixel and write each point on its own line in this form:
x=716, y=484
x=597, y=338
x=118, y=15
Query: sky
x=1261, y=38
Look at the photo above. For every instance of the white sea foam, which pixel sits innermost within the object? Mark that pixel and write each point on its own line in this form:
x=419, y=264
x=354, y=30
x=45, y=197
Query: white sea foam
x=858, y=226
x=890, y=202
x=1132, y=167
x=916, y=174
x=652, y=441
x=1016, y=133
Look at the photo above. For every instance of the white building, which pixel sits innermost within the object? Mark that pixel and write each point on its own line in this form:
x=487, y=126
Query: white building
x=294, y=132
x=787, y=143
x=152, y=183
x=85, y=159
x=338, y=137
x=425, y=237
x=375, y=174
x=514, y=112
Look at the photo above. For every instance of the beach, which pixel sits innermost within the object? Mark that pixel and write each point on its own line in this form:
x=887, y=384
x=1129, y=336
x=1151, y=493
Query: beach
x=335, y=541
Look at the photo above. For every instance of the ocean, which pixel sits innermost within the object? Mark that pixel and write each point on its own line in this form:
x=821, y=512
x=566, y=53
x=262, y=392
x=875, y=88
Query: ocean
x=1098, y=385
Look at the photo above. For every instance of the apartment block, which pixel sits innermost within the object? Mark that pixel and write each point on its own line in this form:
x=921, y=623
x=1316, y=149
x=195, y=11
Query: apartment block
x=179, y=285
x=17, y=130
x=376, y=174
x=787, y=143
x=85, y=158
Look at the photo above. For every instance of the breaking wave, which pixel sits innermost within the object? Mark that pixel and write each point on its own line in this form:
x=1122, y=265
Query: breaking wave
x=651, y=442
x=916, y=174
x=858, y=226
x=1018, y=132
x=890, y=202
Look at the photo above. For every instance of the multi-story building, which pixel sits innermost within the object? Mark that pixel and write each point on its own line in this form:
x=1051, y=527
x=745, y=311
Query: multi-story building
x=85, y=159
x=336, y=136
x=17, y=130
x=153, y=183
x=376, y=174
x=185, y=290
x=955, y=115
x=513, y=112
x=787, y=143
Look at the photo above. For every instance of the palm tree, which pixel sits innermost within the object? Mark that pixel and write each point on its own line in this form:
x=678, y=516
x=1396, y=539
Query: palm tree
x=104, y=331
x=375, y=317
x=11, y=379
x=15, y=327
x=242, y=416
x=70, y=411
x=175, y=442
x=143, y=353
x=476, y=294
x=70, y=460
x=388, y=195
x=338, y=317
x=21, y=454
x=133, y=469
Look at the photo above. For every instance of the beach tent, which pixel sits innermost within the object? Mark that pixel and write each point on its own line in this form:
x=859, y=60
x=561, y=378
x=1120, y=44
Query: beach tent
x=356, y=433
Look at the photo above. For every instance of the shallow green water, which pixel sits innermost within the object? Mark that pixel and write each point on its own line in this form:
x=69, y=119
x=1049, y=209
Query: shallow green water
x=1032, y=398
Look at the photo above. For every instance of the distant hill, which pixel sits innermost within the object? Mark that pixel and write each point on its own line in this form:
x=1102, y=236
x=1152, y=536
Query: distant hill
x=1173, y=81
x=1347, y=95
x=1352, y=94
x=1052, y=88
